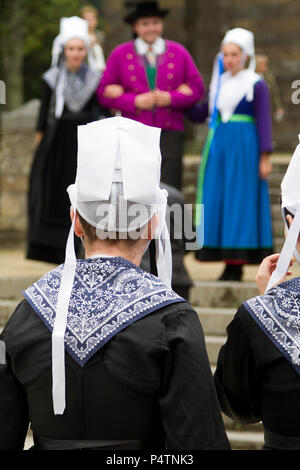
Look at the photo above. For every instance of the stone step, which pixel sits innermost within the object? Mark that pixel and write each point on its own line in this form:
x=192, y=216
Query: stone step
x=12, y=239
x=7, y=307
x=275, y=196
x=190, y=183
x=231, y=425
x=244, y=436
x=11, y=287
x=213, y=345
x=275, y=179
x=191, y=163
x=191, y=167
x=279, y=163
x=245, y=440
x=221, y=294
x=215, y=320
x=276, y=213
x=278, y=228
x=189, y=194
x=277, y=244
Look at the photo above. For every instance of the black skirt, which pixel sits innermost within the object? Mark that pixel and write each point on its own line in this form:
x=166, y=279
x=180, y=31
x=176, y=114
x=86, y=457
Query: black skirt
x=172, y=147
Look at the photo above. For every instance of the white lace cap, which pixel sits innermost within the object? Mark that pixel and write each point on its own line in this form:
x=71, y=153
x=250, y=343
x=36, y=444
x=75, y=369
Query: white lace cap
x=118, y=167
x=245, y=40
x=69, y=28
x=290, y=194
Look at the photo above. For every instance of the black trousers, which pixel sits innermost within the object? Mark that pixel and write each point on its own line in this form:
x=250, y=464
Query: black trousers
x=172, y=147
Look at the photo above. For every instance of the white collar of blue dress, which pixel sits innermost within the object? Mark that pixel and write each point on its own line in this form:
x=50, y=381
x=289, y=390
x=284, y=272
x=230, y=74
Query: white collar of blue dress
x=109, y=294
x=142, y=47
x=278, y=314
x=233, y=88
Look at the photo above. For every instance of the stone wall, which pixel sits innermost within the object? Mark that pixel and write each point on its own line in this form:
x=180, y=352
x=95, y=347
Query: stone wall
x=17, y=148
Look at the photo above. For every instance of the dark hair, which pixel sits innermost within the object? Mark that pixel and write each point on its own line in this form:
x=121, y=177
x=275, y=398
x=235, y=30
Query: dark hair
x=89, y=230
x=287, y=212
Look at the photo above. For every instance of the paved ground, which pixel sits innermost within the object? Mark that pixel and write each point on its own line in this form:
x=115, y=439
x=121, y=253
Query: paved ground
x=14, y=264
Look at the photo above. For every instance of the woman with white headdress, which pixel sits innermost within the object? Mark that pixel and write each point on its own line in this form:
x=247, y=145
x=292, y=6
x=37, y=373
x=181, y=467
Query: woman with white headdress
x=235, y=162
x=67, y=101
x=258, y=370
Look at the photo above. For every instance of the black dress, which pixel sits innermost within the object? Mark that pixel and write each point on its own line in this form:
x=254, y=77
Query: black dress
x=53, y=170
x=151, y=385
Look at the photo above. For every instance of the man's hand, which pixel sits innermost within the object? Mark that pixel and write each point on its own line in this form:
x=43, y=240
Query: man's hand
x=145, y=100
x=185, y=89
x=162, y=98
x=113, y=91
x=265, y=270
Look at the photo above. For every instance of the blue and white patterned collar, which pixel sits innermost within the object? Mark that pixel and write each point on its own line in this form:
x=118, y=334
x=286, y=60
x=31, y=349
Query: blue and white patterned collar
x=278, y=315
x=108, y=295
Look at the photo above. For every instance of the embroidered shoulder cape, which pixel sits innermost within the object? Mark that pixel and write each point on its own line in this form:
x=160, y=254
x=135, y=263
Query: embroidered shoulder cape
x=108, y=295
x=278, y=314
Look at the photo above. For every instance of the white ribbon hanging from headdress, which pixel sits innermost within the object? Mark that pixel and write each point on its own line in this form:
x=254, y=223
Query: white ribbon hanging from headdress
x=103, y=146
x=290, y=193
x=59, y=328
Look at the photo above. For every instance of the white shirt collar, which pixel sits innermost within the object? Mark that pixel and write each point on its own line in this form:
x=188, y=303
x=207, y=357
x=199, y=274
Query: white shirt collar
x=100, y=255
x=158, y=46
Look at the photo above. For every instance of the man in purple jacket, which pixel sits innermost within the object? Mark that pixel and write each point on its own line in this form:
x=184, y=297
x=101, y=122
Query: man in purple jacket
x=159, y=81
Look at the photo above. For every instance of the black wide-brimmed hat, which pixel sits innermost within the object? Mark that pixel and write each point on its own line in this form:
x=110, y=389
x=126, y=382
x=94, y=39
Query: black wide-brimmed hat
x=142, y=10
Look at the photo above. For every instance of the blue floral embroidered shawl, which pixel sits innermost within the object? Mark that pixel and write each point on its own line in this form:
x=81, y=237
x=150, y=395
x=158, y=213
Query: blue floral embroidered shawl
x=278, y=315
x=108, y=295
